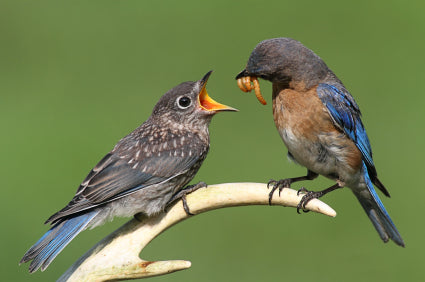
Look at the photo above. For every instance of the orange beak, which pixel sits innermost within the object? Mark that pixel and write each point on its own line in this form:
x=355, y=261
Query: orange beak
x=207, y=103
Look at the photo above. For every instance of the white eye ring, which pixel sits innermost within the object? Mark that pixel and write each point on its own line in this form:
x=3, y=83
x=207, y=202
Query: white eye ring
x=184, y=102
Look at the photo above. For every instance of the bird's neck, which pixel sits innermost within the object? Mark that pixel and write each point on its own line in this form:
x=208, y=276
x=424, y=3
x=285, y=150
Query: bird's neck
x=198, y=128
x=292, y=84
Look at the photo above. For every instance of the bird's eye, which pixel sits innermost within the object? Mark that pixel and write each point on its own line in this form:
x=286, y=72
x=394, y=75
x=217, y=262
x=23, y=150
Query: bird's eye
x=183, y=102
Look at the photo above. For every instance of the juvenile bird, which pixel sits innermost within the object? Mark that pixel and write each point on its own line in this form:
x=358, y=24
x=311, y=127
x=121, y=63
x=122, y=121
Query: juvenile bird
x=144, y=172
x=320, y=124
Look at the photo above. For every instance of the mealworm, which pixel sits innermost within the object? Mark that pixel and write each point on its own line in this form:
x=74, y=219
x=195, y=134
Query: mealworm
x=241, y=85
x=247, y=81
x=257, y=90
x=244, y=84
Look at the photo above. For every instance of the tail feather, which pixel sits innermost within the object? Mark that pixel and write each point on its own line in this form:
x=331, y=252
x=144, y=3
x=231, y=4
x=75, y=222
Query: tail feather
x=378, y=214
x=44, y=251
x=381, y=186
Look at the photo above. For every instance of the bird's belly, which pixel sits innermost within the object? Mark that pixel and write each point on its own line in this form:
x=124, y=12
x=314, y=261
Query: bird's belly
x=149, y=200
x=153, y=199
x=328, y=155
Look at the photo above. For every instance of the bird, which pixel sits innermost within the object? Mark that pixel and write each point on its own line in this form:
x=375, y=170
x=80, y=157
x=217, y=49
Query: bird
x=145, y=172
x=320, y=123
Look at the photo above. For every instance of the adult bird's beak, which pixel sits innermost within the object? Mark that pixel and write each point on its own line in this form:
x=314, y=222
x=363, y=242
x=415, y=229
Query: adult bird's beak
x=206, y=102
x=241, y=74
x=244, y=84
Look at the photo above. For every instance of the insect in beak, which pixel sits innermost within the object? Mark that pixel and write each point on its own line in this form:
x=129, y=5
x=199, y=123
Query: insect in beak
x=244, y=84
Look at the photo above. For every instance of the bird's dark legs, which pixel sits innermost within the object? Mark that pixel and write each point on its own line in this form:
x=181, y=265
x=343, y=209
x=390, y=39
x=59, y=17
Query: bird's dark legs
x=315, y=195
x=182, y=195
x=286, y=183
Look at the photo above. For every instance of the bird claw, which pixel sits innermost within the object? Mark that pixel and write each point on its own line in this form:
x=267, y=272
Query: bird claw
x=185, y=206
x=302, y=190
x=278, y=184
x=182, y=195
x=309, y=195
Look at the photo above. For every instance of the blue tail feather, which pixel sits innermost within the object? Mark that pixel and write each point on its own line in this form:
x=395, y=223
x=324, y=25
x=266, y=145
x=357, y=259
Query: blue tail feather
x=44, y=251
x=378, y=214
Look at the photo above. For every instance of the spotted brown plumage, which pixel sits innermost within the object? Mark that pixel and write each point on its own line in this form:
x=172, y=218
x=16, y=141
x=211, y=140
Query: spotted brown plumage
x=142, y=174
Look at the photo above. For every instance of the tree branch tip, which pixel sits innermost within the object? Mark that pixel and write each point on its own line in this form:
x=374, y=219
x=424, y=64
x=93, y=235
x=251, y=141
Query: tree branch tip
x=155, y=268
x=167, y=266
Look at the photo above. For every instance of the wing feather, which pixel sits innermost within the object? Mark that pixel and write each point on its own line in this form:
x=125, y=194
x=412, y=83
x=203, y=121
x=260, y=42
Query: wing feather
x=346, y=116
x=136, y=162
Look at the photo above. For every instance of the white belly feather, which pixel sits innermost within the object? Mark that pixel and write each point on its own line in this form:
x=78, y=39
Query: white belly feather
x=324, y=157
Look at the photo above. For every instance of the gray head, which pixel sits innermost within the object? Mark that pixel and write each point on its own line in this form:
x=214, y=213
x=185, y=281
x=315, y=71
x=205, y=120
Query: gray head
x=283, y=60
x=187, y=104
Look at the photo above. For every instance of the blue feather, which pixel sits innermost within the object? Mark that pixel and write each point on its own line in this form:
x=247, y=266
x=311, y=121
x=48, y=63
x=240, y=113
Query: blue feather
x=346, y=115
x=377, y=213
x=55, y=240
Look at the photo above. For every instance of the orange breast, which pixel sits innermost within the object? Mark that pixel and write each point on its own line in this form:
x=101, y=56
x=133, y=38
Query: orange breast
x=303, y=113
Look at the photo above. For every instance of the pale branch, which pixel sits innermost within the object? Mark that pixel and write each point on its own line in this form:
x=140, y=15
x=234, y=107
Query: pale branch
x=116, y=257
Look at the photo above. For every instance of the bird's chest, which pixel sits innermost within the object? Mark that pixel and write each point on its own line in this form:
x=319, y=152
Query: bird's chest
x=301, y=113
x=308, y=132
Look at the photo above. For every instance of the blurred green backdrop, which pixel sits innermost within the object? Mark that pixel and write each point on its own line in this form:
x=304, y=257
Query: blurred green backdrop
x=75, y=77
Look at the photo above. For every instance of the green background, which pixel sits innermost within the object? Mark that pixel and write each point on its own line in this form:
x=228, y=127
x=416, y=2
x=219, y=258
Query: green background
x=75, y=77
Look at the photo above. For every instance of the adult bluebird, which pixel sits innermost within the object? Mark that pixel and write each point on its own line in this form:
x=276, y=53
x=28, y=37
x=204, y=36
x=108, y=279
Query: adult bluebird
x=144, y=172
x=320, y=124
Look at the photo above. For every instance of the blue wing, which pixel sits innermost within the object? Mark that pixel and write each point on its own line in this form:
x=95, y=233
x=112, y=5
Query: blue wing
x=346, y=115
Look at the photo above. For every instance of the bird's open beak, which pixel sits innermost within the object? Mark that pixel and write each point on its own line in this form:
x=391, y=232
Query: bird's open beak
x=206, y=102
x=244, y=84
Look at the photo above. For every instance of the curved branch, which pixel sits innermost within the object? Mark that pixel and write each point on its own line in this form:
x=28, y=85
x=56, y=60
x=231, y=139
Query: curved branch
x=116, y=257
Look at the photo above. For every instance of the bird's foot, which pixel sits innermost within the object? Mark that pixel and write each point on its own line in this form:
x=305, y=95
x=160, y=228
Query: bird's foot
x=182, y=195
x=309, y=195
x=278, y=184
